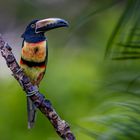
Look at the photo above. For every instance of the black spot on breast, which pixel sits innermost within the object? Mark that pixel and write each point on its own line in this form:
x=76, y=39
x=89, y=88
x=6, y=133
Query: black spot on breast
x=36, y=49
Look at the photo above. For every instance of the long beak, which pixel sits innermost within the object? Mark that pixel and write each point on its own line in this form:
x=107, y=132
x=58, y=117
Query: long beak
x=50, y=23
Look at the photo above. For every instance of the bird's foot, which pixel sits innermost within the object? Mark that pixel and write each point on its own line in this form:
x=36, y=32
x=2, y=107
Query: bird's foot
x=33, y=91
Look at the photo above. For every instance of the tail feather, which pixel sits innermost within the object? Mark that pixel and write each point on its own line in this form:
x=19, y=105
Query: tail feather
x=31, y=110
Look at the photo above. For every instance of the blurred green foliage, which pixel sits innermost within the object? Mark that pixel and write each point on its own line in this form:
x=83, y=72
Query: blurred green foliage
x=99, y=98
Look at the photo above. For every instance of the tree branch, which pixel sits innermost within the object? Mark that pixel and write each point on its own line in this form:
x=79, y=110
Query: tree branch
x=61, y=127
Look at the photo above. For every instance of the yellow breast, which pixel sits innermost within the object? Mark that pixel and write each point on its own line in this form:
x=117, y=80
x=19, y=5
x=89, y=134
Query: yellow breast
x=35, y=52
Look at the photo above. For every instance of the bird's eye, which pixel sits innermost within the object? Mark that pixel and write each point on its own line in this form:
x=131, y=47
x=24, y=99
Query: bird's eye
x=32, y=25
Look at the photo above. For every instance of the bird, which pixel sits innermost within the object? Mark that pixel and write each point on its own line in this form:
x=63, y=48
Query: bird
x=34, y=55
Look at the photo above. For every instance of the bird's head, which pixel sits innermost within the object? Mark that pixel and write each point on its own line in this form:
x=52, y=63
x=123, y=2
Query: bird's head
x=35, y=30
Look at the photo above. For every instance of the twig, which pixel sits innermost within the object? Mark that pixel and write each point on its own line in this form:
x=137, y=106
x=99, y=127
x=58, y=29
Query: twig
x=61, y=127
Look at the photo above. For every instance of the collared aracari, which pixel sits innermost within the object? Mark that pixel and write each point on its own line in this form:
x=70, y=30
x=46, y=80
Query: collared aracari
x=34, y=55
